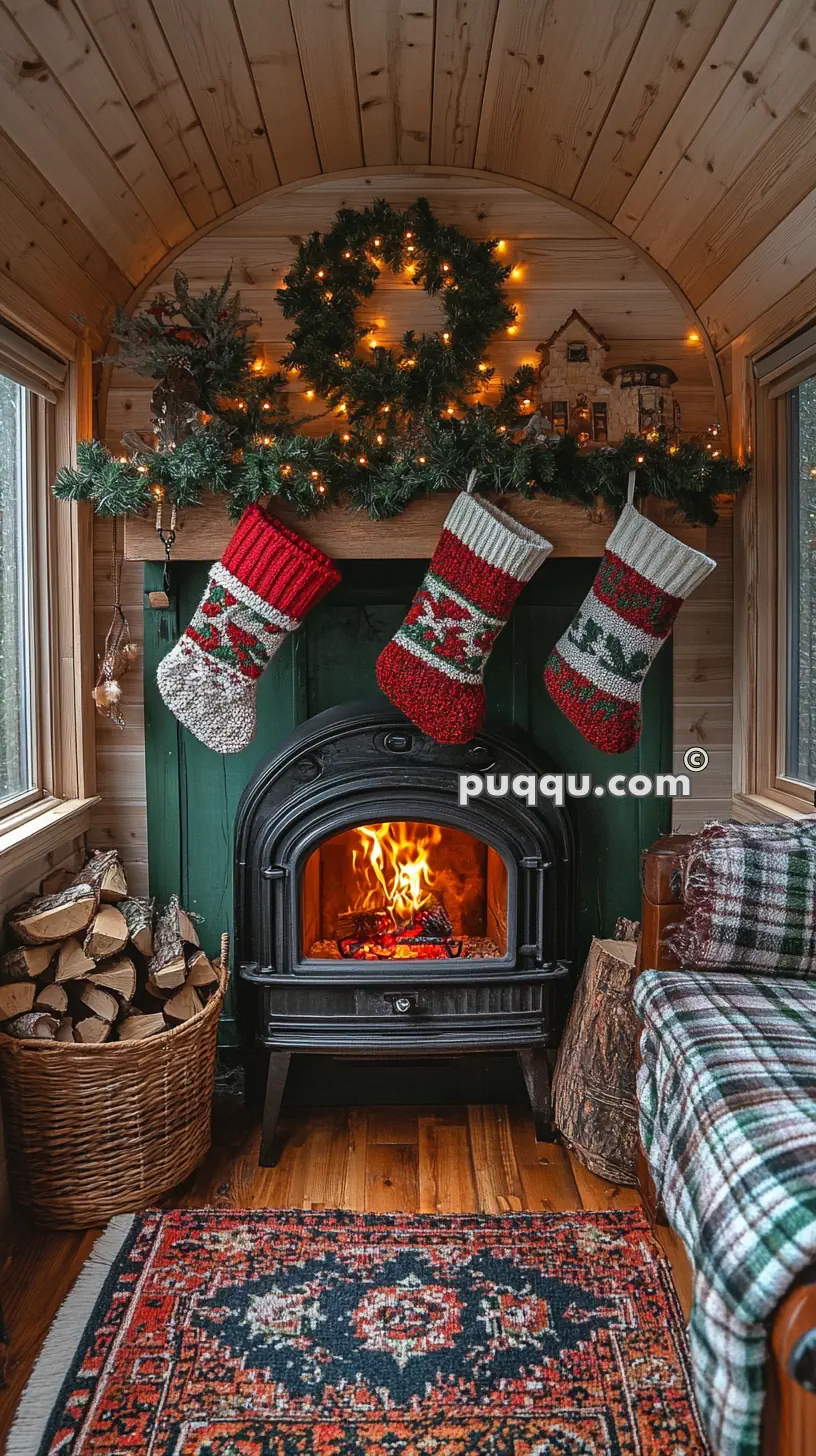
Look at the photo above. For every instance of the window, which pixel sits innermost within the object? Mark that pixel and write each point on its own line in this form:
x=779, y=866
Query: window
x=18, y=764
x=800, y=744
x=775, y=616
x=31, y=384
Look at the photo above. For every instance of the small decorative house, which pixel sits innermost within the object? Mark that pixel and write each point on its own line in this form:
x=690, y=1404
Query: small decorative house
x=579, y=396
x=644, y=400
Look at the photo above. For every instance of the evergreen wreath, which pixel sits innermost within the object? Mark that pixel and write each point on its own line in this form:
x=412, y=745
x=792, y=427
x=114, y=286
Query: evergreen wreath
x=335, y=271
x=410, y=427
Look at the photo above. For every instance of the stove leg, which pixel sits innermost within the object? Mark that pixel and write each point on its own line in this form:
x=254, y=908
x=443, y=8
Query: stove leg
x=536, y=1071
x=275, y=1084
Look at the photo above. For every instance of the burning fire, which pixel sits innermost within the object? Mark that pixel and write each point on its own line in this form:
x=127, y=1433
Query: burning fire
x=392, y=869
x=397, y=915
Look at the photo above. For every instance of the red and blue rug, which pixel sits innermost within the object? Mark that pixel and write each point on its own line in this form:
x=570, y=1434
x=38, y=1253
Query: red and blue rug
x=277, y=1333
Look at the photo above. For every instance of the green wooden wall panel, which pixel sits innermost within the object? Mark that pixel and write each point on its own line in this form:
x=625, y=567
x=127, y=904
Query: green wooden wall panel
x=193, y=793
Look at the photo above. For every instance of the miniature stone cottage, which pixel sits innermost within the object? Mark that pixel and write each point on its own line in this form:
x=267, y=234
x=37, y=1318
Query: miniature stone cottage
x=579, y=396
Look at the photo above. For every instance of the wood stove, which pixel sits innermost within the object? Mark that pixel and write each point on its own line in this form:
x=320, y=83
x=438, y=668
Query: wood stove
x=375, y=915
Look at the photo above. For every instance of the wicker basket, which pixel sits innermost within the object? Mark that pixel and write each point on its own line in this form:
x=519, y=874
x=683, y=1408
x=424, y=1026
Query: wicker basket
x=92, y=1131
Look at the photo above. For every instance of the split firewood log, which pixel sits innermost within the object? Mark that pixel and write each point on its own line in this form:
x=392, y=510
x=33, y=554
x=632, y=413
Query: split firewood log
x=36, y=1025
x=139, y=920
x=155, y=993
x=52, y=998
x=25, y=961
x=107, y=935
x=99, y=1002
x=137, y=1027
x=173, y=930
x=105, y=872
x=15, y=998
x=118, y=975
x=91, y=1029
x=201, y=973
x=54, y=917
x=65, y=1030
x=72, y=961
x=183, y=1005
x=56, y=881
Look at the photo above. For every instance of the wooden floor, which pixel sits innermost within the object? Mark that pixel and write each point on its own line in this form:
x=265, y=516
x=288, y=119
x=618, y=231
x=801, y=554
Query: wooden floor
x=376, y=1160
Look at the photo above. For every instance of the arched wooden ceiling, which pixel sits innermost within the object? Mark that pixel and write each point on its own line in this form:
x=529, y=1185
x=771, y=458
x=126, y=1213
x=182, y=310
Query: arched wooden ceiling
x=690, y=125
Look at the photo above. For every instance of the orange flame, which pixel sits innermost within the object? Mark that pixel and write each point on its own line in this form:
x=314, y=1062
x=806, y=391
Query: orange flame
x=392, y=869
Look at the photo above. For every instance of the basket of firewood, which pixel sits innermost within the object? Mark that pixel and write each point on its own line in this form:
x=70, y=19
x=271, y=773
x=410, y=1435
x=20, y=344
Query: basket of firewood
x=109, y=1015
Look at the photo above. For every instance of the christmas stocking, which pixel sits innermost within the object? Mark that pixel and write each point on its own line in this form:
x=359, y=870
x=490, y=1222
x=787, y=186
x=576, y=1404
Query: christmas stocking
x=263, y=586
x=594, y=673
x=432, y=670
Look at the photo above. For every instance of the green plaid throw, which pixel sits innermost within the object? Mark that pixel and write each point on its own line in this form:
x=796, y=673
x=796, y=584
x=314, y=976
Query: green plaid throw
x=750, y=897
x=727, y=1093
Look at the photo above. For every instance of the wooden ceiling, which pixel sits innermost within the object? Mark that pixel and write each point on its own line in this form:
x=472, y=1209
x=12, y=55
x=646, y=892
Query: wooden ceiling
x=687, y=125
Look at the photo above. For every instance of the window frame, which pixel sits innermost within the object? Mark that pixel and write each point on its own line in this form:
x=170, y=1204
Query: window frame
x=38, y=470
x=762, y=788
x=62, y=586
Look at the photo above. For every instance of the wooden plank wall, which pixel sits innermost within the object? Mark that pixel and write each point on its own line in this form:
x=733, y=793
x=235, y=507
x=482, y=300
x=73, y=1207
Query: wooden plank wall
x=126, y=126
x=703, y=687
x=565, y=262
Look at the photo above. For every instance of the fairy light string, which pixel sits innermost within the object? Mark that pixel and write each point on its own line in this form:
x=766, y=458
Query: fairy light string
x=410, y=419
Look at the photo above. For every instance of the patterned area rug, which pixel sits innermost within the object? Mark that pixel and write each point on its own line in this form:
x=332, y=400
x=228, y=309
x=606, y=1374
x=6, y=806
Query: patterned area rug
x=276, y=1333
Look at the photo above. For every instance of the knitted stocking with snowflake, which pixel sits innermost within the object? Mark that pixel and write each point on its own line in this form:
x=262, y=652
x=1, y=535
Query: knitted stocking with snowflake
x=262, y=588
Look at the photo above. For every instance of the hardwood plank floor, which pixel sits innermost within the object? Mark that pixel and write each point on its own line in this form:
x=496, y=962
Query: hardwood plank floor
x=375, y=1160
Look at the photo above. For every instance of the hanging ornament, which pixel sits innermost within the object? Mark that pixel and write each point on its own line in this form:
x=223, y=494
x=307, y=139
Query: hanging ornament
x=162, y=598
x=120, y=653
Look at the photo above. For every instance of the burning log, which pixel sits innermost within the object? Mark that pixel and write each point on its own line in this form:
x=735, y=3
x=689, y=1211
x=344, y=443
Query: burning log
x=376, y=936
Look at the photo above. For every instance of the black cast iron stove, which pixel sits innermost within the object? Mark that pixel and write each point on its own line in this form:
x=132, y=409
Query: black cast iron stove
x=374, y=915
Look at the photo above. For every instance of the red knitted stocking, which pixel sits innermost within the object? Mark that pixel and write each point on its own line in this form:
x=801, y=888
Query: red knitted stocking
x=262, y=588
x=432, y=670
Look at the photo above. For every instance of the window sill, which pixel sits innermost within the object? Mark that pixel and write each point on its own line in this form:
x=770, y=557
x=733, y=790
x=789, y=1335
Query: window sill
x=42, y=829
x=768, y=809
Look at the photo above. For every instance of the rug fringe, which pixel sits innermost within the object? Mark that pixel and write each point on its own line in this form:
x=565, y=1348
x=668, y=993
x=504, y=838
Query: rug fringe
x=63, y=1339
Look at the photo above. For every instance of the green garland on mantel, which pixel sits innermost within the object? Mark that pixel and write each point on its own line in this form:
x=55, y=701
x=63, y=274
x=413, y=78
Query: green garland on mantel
x=408, y=426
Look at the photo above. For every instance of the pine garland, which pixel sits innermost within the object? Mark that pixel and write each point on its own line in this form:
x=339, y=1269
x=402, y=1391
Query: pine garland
x=410, y=428
x=208, y=333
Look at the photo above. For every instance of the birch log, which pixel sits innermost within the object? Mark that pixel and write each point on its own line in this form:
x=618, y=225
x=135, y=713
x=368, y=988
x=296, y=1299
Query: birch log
x=594, y=1084
x=54, y=916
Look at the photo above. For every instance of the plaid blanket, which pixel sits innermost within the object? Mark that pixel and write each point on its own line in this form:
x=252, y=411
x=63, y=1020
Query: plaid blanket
x=750, y=897
x=727, y=1093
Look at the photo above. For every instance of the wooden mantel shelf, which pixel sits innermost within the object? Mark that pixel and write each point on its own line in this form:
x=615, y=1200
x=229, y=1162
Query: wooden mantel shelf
x=202, y=532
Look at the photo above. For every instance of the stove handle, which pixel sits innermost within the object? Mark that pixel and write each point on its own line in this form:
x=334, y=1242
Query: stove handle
x=272, y=873
x=536, y=868
x=403, y=1003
